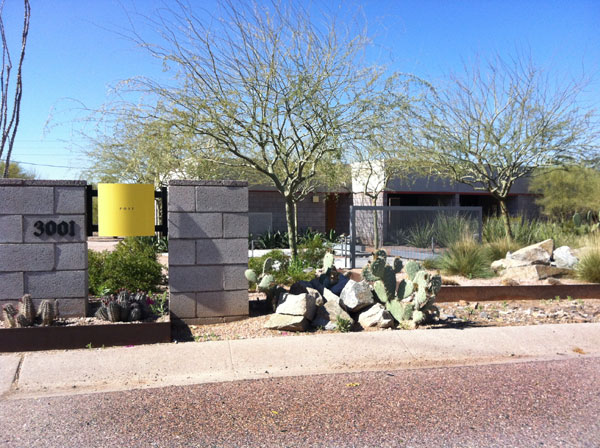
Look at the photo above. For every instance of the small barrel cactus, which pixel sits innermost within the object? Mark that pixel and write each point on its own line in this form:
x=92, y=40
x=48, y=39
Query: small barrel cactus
x=10, y=315
x=26, y=309
x=48, y=311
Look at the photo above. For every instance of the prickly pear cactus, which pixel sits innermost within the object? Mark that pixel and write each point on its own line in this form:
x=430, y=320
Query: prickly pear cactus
x=411, y=301
x=328, y=261
x=411, y=268
x=10, y=315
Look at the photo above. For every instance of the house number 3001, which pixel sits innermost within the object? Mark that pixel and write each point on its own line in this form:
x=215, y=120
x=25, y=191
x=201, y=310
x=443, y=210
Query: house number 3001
x=52, y=227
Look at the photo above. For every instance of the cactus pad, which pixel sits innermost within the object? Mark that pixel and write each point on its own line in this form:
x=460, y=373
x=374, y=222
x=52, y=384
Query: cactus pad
x=397, y=265
x=411, y=268
x=251, y=276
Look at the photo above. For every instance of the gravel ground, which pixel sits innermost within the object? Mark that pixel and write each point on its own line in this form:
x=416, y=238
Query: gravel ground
x=455, y=314
x=553, y=403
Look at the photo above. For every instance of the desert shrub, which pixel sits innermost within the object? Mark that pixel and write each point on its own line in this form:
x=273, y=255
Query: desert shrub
x=496, y=250
x=431, y=263
x=420, y=235
x=132, y=265
x=530, y=231
x=312, y=251
x=448, y=229
x=283, y=262
x=467, y=258
x=96, y=271
x=588, y=268
x=295, y=272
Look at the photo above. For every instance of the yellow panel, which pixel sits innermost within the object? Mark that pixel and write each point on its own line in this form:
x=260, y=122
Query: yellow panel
x=125, y=209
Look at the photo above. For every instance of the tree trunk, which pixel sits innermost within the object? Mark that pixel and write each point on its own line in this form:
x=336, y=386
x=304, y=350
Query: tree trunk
x=291, y=225
x=375, y=225
x=505, y=217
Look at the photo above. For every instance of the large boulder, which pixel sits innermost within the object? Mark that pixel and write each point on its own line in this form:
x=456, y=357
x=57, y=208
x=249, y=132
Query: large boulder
x=506, y=263
x=297, y=305
x=327, y=315
x=286, y=322
x=534, y=272
x=340, y=285
x=539, y=253
x=564, y=258
x=356, y=296
x=376, y=316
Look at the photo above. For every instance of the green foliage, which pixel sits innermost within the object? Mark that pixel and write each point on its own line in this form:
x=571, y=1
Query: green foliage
x=15, y=171
x=343, y=325
x=496, y=250
x=588, y=268
x=279, y=239
x=450, y=228
x=279, y=275
x=466, y=258
x=132, y=265
x=159, y=304
x=531, y=231
x=160, y=244
x=420, y=235
x=564, y=192
x=312, y=251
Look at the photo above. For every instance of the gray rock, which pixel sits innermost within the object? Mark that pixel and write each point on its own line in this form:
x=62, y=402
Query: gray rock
x=534, y=272
x=376, y=316
x=356, y=296
x=564, y=258
x=297, y=305
x=286, y=322
x=319, y=300
x=328, y=314
x=538, y=253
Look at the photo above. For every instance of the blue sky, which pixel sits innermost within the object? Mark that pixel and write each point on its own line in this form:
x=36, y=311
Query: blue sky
x=75, y=54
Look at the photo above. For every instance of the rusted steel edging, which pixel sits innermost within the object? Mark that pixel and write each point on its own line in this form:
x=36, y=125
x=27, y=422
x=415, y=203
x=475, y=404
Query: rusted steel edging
x=57, y=337
x=524, y=292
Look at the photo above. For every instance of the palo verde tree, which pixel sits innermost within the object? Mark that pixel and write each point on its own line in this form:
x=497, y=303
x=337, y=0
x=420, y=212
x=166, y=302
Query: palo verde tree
x=500, y=122
x=10, y=104
x=381, y=149
x=271, y=89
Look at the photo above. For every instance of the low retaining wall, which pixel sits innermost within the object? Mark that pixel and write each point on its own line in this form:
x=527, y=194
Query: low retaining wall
x=58, y=337
x=526, y=292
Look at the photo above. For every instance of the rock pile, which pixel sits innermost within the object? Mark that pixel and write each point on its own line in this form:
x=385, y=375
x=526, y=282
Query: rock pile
x=312, y=304
x=332, y=301
x=536, y=262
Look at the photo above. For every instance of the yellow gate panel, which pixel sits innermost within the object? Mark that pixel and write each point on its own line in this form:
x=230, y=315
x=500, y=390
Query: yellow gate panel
x=125, y=209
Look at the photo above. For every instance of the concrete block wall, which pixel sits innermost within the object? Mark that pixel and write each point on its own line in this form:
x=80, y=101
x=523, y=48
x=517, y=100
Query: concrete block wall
x=46, y=264
x=208, y=250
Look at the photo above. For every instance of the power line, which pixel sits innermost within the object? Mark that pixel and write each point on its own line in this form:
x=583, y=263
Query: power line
x=51, y=166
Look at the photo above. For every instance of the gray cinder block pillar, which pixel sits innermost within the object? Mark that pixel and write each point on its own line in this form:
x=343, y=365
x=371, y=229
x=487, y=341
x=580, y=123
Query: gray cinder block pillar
x=43, y=243
x=208, y=250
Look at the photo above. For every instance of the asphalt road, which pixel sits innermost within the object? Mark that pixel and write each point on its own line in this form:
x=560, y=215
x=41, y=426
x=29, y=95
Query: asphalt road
x=527, y=404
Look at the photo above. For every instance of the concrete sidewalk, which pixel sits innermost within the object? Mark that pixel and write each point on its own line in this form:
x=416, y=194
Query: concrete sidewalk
x=36, y=374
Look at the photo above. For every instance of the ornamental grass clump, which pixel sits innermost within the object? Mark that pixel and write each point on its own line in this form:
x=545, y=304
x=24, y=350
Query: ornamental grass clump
x=467, y=258
x=588, y=268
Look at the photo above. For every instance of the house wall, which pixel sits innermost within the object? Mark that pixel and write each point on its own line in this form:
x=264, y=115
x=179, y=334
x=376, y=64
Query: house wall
x=310, y=214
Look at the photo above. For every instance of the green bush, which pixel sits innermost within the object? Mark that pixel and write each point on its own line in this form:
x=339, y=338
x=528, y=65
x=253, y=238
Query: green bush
x=312, y=251
x=132, y=265
x=256, y=264
x=497, y=250
x=420, y=235
x=448, y=229
x=588, y=268
x=466, y=258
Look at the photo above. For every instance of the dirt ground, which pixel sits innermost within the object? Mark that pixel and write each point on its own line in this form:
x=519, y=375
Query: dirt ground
x=452, y=315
